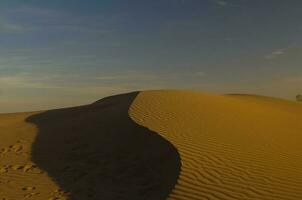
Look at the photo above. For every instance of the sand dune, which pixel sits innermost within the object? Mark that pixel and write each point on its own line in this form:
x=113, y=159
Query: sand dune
x=155, y=145
x=231, y=147
x=90, y=152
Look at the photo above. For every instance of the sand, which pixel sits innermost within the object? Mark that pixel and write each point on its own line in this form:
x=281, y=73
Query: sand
x=89, y=152
x=163, y=144
x=20, y=178
x=231, y=146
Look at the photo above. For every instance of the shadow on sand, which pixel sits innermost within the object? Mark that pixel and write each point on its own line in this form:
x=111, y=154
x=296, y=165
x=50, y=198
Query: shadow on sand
x=97, y=152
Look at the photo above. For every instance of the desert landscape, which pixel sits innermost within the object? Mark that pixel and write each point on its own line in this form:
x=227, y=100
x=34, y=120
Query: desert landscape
x=158, y=144
x=150, y=100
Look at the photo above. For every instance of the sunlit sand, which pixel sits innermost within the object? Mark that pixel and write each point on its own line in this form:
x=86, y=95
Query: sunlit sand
x=231, y=147
x=163, y=144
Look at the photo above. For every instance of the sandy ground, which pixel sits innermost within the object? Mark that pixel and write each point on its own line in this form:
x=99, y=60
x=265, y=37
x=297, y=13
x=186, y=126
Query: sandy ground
x=155, y=145
x=20, y=178
x=90, y=152
x=231, y=147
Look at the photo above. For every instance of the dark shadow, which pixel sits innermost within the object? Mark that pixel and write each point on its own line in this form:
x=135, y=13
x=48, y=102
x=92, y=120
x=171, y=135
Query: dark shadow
x=97, y=152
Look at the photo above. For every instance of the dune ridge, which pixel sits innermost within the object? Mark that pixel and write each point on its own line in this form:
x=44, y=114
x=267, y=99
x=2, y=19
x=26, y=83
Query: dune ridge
x=204, y=146
x=231, y=146
x=88, y=152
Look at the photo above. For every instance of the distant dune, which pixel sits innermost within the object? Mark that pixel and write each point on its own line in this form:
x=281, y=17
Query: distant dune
x=153, y=145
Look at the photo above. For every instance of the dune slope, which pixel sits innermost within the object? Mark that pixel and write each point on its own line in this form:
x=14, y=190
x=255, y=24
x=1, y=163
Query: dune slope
x=90, y=152
x=231, y=147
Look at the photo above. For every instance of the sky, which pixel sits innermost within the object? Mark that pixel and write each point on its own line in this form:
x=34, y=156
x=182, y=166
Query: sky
x=64, y=53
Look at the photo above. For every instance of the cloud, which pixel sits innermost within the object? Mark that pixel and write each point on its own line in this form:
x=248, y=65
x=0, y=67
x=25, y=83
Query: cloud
x=62, y=81
x=275, y=54
x=23, y=81
x=295, y=80
x=8, y=27
x=200, y=73
x=221, y=3
x=292, y=49
x=133, y=75
x=41, y=19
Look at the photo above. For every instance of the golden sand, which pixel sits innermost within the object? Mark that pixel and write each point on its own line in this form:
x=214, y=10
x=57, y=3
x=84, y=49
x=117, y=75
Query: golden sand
x=91, y=152
x=20, y=178
x=231, y=147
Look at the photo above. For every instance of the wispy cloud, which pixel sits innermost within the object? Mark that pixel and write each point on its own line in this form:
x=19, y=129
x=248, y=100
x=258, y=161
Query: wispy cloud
x=275, y=54
x=200, y=73
x=25, y=80
x=38, y=18
x=294, y=80
x=60, y=81
x=229, y=3
x=293, y=49
x=151, y=76
x=7, y=26
x=221, y=3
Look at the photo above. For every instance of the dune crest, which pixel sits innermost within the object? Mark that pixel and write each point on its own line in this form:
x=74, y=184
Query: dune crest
x=84, y=153
x=231, y=146
x=124, y=147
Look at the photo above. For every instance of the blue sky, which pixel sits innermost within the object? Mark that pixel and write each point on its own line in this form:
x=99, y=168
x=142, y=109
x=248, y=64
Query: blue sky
x=70, y=52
